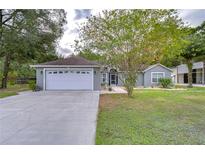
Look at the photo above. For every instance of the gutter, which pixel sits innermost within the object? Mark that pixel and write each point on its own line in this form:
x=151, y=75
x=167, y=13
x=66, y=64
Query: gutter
x=64, y=66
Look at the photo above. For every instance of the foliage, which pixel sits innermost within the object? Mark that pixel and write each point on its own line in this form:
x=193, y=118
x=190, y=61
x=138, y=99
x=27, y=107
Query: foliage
x=32, y=85
x=195, y=48
x=27, y=35
x=24, y=71
x=171, y=60
x=156, y=117
x=12, y=76
x=130, y=40
x=165, y=82
x=88, y=54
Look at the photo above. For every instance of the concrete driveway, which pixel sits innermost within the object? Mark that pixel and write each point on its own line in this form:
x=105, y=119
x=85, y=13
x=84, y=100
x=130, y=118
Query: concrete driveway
x=49, y=118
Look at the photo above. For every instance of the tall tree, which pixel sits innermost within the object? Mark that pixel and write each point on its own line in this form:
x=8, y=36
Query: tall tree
x=132, y=39
x=28, y=34
x=195, y=49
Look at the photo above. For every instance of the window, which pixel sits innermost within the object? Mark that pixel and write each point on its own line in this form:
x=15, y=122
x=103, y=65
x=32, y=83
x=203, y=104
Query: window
x=156, y=76
x=82, y=72
x=49, y=72
x=41, y=72
x=60, y=72
x=88, y=72
x=78, y=72
x=65, y=71
x=104, y=77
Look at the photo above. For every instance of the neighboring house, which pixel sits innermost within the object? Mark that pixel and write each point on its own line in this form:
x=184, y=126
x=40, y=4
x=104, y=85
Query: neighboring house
x=198, y=73
x=77, y=73
x=147, y=78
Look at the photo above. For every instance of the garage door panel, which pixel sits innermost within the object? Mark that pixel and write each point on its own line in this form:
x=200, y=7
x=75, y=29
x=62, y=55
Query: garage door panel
x=69, y=81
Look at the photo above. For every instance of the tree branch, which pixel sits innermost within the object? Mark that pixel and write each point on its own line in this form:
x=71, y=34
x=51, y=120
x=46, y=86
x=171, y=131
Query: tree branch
x=10, y=17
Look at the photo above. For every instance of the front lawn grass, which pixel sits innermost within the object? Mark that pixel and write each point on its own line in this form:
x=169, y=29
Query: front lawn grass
x=13, y=90
x=152, y=117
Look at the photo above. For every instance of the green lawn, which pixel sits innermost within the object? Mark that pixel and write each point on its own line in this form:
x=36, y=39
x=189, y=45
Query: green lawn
x=13, y=90
x=152, y=117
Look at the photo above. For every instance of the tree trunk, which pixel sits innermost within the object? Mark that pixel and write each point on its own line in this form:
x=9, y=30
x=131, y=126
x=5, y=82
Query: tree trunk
x=1, y=29
x=190, y=80
x=5, y=71
x=129, y=83
x=1, y=23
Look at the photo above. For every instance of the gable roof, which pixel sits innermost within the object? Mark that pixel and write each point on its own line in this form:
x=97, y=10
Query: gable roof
x=73, y=60
x=155, y=65
x=70, y=61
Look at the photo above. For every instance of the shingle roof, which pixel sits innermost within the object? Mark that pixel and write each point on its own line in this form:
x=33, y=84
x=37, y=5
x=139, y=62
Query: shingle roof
x=158, y=64
x=73, y=60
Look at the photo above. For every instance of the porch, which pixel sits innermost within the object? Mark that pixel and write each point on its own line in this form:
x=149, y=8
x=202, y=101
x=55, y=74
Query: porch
x=198, y=77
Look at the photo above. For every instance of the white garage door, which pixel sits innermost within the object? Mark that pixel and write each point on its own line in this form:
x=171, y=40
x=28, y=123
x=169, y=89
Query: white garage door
x=69, y=80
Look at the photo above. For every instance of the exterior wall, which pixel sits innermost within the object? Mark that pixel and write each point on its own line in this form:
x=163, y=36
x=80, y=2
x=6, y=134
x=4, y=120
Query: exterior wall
x=174, y=75
x=140, y=80
x=199, y=76
x=147, y=75
x=97, y=79
x=39, y=77
x=120, y=79
x=203, y=75
x=181, y=78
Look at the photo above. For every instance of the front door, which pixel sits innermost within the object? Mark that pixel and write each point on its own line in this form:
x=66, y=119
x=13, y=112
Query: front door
x=185, y=78
x=113, y=79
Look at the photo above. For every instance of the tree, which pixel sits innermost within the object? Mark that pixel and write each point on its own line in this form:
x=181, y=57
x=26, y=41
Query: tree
x=195, y=49
x=132, y=39
x=90, y=55
x=87, y=53
x=28, y=34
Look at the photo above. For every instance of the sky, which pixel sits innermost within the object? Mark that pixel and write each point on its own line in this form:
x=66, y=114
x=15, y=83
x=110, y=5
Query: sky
x=75, y=18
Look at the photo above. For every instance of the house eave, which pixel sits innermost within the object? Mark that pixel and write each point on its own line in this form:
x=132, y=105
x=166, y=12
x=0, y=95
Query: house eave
x=64, y=66
x=158, y=65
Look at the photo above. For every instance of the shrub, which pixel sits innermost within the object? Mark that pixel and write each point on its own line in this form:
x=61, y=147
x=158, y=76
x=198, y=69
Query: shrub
x=165, y=82
x=32, y=85
x=12, y=82
x=12, y=76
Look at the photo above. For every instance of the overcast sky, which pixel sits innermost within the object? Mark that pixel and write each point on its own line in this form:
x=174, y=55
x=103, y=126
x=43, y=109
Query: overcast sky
x=77, y=17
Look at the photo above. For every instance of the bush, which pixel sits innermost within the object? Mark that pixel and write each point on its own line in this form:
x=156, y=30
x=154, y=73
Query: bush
x=32, y=85
x=12, y=82
x=12, y=76
x=165, y=82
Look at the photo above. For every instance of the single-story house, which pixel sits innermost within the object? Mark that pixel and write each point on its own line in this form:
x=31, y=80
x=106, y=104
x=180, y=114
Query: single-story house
x=146, y=78
x=77, y=73
x=180, y=73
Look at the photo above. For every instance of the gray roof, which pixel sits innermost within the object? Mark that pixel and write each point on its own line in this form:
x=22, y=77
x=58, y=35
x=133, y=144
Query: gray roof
x=73, y=60
x=158, y=64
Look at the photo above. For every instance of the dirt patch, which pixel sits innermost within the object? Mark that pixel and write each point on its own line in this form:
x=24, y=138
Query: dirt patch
x=109, y=101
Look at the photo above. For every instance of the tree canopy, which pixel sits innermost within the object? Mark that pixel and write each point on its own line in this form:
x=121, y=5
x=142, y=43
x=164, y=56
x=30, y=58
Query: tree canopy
x=28, y=34
x=195, y=50
x=130, y=40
